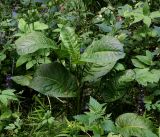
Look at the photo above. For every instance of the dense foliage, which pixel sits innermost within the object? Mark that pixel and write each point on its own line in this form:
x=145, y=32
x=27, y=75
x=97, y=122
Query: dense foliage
x=79, y=68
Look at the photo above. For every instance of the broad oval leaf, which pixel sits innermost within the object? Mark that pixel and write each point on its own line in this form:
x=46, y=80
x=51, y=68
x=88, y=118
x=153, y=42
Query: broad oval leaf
x=107, y=49
x=54, y=80
x=32, y=42
x=130, y=124
x=93, y=72
x=117, y=86
x=101, y=55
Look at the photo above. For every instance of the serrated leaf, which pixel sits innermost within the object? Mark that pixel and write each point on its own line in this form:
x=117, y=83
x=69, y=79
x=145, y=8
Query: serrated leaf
x=96, y=112
x=145, y=76
x=7, y=114
x=7, y=95
x=108, y=125
x=32, y=42
x=137, y=17
x=70, y=42
x=22, y=80
x=93, y=117
x=94, y=105
x=101, y=57
x=54, y=80
x=130, y=124
x=82, y=118
x=10, y=127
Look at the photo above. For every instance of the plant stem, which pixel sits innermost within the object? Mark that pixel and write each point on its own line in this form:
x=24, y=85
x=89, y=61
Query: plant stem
x=50, y=107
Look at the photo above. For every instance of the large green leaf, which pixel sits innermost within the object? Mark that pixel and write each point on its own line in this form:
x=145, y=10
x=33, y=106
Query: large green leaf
x=94, y=71
x=103, y=51
x=32, y=42
x=130, y=124
x=70, y=42
x=101, y=55
x=54, y=80
x=115, y=87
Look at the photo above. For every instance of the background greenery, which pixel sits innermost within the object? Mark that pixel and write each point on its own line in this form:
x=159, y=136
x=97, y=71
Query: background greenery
x=79, y=68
